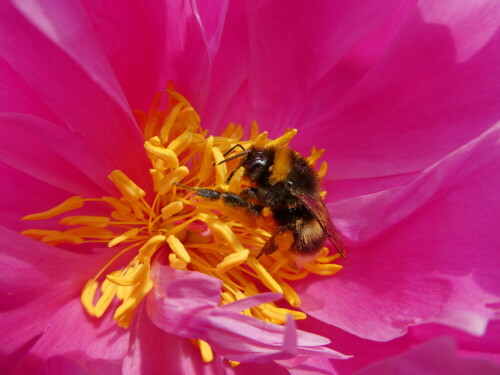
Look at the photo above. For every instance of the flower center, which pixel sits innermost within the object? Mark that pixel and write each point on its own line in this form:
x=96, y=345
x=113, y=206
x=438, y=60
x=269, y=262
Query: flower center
x=196, y=234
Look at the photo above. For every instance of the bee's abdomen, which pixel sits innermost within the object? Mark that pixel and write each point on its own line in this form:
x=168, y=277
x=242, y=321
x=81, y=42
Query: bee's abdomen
x=308, y=235
x=309, y=238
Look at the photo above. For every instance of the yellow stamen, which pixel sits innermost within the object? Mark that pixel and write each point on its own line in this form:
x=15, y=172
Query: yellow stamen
x=206, y=351
x=89, y=231
x=38, y=234
x=175, y=176
x=264, y=275
x=315, y=155
x=131, y=233
x=132, y=277
x=322, y=269
x=178, y=248
x=88, y=294
x=176, y=263
x=322, y=170
x=169, y=157
x=148, y=249
x=284, y=139
x=171, y=209
x=279, y=314
x=219, y=227
x=197, y=234
x=232, y=260
x=261, y=140
x=235, y=183
x=290, y=294
x=117, y=204
x=108, y=290
x=57, y=239
x=69, y=204
x=220, y=169
x=126, y=186
x=97, y=221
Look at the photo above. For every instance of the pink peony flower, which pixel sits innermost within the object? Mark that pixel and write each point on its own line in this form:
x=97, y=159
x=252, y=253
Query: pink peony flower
x=403, y=95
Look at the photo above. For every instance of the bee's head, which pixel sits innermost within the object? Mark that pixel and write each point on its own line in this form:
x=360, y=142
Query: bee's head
x=257, y=162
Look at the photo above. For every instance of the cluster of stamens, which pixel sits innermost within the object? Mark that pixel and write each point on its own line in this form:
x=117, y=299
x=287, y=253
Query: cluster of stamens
x=194, y=234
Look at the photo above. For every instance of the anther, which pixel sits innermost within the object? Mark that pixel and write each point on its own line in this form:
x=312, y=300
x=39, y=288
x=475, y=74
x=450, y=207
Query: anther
x=322, y=269
x=178, y=248
x=169, y=157
x=206, y=351
x=131, y=233
x=177, y=175
x=96, y=221
x=171, y=209
x=264, y=276
x=87, y=296
x=232, y=260
x=68, y=205
x=126, y=186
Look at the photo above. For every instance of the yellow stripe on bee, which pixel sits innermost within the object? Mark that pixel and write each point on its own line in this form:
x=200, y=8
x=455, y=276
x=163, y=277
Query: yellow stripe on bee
x=282, y=164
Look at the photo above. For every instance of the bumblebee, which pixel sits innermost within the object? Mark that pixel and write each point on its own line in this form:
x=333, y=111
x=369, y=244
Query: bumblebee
x=284, y=182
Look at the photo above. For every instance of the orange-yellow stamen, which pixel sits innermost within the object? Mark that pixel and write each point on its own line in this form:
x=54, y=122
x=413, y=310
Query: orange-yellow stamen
x=69, y=204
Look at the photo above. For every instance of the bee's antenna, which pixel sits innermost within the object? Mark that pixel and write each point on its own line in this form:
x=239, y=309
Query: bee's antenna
x=184, y=186
x=245, y=151
x=235, y=146
x=233, y=157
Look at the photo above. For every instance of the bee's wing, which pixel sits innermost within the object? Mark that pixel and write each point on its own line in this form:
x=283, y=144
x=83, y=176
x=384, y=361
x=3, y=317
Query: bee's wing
x=318, y=209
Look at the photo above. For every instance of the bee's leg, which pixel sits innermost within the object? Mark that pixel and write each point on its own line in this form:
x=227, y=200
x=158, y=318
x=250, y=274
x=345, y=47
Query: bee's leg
x=269, y=247
x=229, y=199
x=234, y=200
x=249, y=193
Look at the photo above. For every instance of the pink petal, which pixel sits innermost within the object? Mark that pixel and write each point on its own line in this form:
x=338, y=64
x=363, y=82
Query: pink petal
x=56, y=53
x=314, y=366
x=413, y=251
x=299, y=46
x=426, y=96
x=485, y=347
x=212, y=16
x=150, y=44
x=20, y=199
x=43, y=164
x=74, y=364
x=366, y=352
x=41, y=286
x=341, y=189
x=16, y=95
x=53, y=155
x=438, y=356
x=186, y=304
x=98, y=339
x=154, y=351
x=255, y=368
